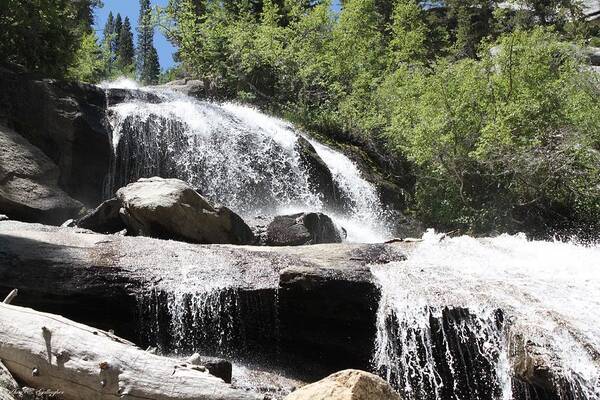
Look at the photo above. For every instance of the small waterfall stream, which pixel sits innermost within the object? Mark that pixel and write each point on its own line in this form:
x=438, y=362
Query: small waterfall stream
x=461, y=314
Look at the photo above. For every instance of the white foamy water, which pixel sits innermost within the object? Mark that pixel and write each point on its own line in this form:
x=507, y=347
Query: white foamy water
x=237, y=156
x=120, y=83
x=549, y=295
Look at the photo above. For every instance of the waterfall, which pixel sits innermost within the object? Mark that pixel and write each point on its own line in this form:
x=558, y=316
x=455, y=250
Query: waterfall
x=457, y=318
x=235, y=155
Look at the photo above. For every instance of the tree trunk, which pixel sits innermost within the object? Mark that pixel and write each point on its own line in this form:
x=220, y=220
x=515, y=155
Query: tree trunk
x=48, y=351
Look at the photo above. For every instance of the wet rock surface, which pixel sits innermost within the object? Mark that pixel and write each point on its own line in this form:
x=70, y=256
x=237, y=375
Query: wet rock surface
x=101, y=279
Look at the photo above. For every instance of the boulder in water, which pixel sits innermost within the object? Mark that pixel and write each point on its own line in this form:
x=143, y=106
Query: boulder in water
x=301, y=229
x=29, y=183
x=104, y=219
x=171, y=209
x=319, y=175
x=350, y=384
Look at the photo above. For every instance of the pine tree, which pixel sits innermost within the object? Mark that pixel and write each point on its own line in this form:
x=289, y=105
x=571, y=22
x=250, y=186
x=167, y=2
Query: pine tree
x=126, y=53
x=109, y=27
x=117, y=36
x=147, y=63
x=107, y=44
x=153, y=66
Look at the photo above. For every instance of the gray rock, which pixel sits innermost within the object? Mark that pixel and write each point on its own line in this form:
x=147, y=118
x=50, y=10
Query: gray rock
x=190, y=87
x=171, y=209
x=325, y=302
x=118, y=95
x=29, y=183
x=302, y=229
x=347, y=385
x=103, y=219
x=216, y=366
x=67, y=122
x=4, y=217
x=594, y=55
x=320, y=177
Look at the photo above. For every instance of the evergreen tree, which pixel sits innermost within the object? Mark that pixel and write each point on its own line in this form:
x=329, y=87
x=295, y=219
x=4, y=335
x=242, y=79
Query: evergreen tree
x=117, y=35
x=109, y=27
x=147, y=63
x=126, y=53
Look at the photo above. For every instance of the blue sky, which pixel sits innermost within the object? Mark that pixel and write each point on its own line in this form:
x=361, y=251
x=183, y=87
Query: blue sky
x=130, y=8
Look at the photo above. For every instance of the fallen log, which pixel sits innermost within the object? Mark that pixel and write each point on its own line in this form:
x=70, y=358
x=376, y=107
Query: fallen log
x=8, y=385
x=48, y=351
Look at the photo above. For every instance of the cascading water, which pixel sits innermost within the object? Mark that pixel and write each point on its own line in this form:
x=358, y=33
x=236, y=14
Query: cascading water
x=235, y=155
x=461, y=316
x=253, y=163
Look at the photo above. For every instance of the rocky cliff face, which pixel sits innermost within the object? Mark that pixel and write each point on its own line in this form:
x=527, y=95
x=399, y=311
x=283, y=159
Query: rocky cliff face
x=67, y=122
x=29, y=183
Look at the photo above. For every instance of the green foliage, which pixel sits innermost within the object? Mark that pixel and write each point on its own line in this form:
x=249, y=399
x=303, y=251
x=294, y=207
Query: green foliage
x=498, y=118
x=125, y=50
x=509, y=140
x=90, y=63
x=42, y=36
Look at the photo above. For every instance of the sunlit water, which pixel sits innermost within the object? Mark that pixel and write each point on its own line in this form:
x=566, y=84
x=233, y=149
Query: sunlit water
x=451, y=291
x=237, y=156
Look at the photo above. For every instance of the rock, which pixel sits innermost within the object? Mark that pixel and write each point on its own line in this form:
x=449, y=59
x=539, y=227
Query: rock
x=104, y=219
x=301, y=229
x=315, y=302
x=349, y=384
x=67, y=122
x=29, y=183
x=215, y=366
x=594, y=55
x=190, y=87
x=320, y=177
x=118, y=95
x=4, y=217
x=171, y=209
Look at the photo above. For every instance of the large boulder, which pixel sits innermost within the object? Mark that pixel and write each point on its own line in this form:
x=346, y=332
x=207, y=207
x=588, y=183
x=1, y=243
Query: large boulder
x=171, y=209
x=29, y=183
x=350, y=384
x=67, y=122
x=301, y=229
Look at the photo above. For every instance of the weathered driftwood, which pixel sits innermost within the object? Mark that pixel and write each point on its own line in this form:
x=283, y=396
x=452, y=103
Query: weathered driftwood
x=51, y=352
x=8, y=385
x=11, y=296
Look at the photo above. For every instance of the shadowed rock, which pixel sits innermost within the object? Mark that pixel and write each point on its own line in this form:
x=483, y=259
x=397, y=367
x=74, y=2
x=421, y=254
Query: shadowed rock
x=29, y=183
x=103, y=219
x=301, y=229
